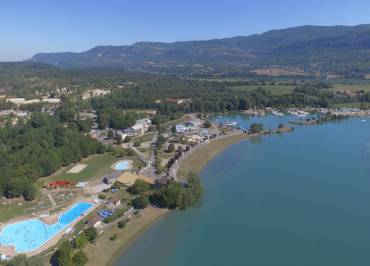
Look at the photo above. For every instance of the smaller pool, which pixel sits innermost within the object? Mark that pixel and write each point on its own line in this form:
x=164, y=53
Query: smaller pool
x=121, y=165
x=29, y=235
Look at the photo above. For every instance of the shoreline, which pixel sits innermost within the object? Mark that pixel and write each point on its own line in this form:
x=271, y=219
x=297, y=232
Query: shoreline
x=107, y=252
x=201, y=156
x=197, y=160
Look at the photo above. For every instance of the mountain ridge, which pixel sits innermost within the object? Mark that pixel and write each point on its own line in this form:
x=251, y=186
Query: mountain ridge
x=312, y=48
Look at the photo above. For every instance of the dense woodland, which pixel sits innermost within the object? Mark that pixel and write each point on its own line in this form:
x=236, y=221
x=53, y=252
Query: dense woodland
x=38, y=148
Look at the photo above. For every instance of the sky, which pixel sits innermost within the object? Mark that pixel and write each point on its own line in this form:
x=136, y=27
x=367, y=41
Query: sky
x=28, y=27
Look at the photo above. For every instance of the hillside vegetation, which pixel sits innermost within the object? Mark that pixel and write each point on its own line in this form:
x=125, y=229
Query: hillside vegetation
x=316, y=50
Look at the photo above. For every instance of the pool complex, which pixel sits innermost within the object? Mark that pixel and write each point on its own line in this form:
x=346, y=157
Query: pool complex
x=121, y=165
x=29, y=235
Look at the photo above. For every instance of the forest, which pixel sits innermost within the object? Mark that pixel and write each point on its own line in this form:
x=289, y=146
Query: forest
x=38, y=148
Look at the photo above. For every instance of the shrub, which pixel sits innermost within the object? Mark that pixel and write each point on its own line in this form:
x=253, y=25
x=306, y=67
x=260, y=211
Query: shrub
x=121, y=224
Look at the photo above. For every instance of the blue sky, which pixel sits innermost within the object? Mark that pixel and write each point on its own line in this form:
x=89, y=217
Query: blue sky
x=31, y=26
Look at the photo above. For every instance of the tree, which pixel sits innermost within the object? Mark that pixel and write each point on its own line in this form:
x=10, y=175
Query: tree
x=113, y=237
x=207, y=124
x=118, y=139
x=130, y=152
x=137, y=143
x=175, y=195
x=255, y=128
x=80, y=241
x=140, y=202
x=121, y=224
x=63, y=255
x=110, y=134
x=29, y=193
x=139, y=187
x=80, y=258
x=171, y=147
x=91, y=234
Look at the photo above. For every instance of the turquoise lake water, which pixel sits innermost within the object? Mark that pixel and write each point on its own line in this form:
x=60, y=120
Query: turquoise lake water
x=299, y=199
x=30, y=235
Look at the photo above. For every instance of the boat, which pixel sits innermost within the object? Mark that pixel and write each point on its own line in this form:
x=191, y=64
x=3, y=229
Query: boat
x=277, y=113
x=231, y=123
x=298, y=113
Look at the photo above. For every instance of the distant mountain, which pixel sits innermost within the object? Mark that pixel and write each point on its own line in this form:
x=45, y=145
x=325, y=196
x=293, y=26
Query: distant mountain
x=320, y=49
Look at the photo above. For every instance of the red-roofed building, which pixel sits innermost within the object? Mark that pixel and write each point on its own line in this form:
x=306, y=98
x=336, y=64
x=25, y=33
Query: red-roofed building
x=59, y=184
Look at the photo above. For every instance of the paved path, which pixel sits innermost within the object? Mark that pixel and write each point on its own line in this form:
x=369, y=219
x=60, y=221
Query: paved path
x=52, y=199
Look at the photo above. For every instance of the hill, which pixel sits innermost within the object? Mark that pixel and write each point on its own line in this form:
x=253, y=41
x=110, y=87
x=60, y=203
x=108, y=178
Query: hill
x=340, y=50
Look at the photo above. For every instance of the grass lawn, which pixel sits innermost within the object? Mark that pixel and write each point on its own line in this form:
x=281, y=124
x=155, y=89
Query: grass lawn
x=145, y=138
x=275, y=89
x=354, y=87
x=97, y=166
x=13, y=210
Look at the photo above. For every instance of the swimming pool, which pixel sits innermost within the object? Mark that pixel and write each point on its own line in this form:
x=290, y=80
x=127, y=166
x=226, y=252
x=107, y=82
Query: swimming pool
x=29, y=235
x=121, y=165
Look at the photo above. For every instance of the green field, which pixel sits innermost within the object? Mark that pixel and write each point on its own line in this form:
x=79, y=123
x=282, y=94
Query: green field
x=145, y=138
x=354, y=87
x=18, y=209
x=274, y=89
x=97, y=166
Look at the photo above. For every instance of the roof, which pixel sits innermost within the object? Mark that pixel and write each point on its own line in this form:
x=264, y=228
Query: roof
x=113, y=201
x=138, y=126
x=59, y=183
x=128, y=130
x=93, y=220
x=129, y=179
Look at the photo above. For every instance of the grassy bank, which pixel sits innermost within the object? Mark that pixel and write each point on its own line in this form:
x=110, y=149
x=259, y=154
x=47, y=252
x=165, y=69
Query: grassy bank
x=106, y=251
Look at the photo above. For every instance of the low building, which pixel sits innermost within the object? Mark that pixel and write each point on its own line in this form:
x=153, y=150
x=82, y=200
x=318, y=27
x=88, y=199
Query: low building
x=122, y=135
x=59, y=184
x=180, y=128
x=129, y=132
x=113, y=203
x=177, y=101
x=139, y=129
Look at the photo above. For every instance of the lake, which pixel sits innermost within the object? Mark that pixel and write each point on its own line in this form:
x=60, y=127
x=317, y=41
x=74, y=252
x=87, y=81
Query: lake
x=291, y=200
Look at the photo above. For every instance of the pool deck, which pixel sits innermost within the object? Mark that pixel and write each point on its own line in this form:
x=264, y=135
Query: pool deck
x=10, y=250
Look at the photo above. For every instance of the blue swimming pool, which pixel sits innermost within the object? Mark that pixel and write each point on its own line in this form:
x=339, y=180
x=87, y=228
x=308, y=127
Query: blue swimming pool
x=121, y=165
x=30, y=235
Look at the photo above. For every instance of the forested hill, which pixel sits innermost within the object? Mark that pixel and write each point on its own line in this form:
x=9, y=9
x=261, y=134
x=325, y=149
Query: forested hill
x=312, y=48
